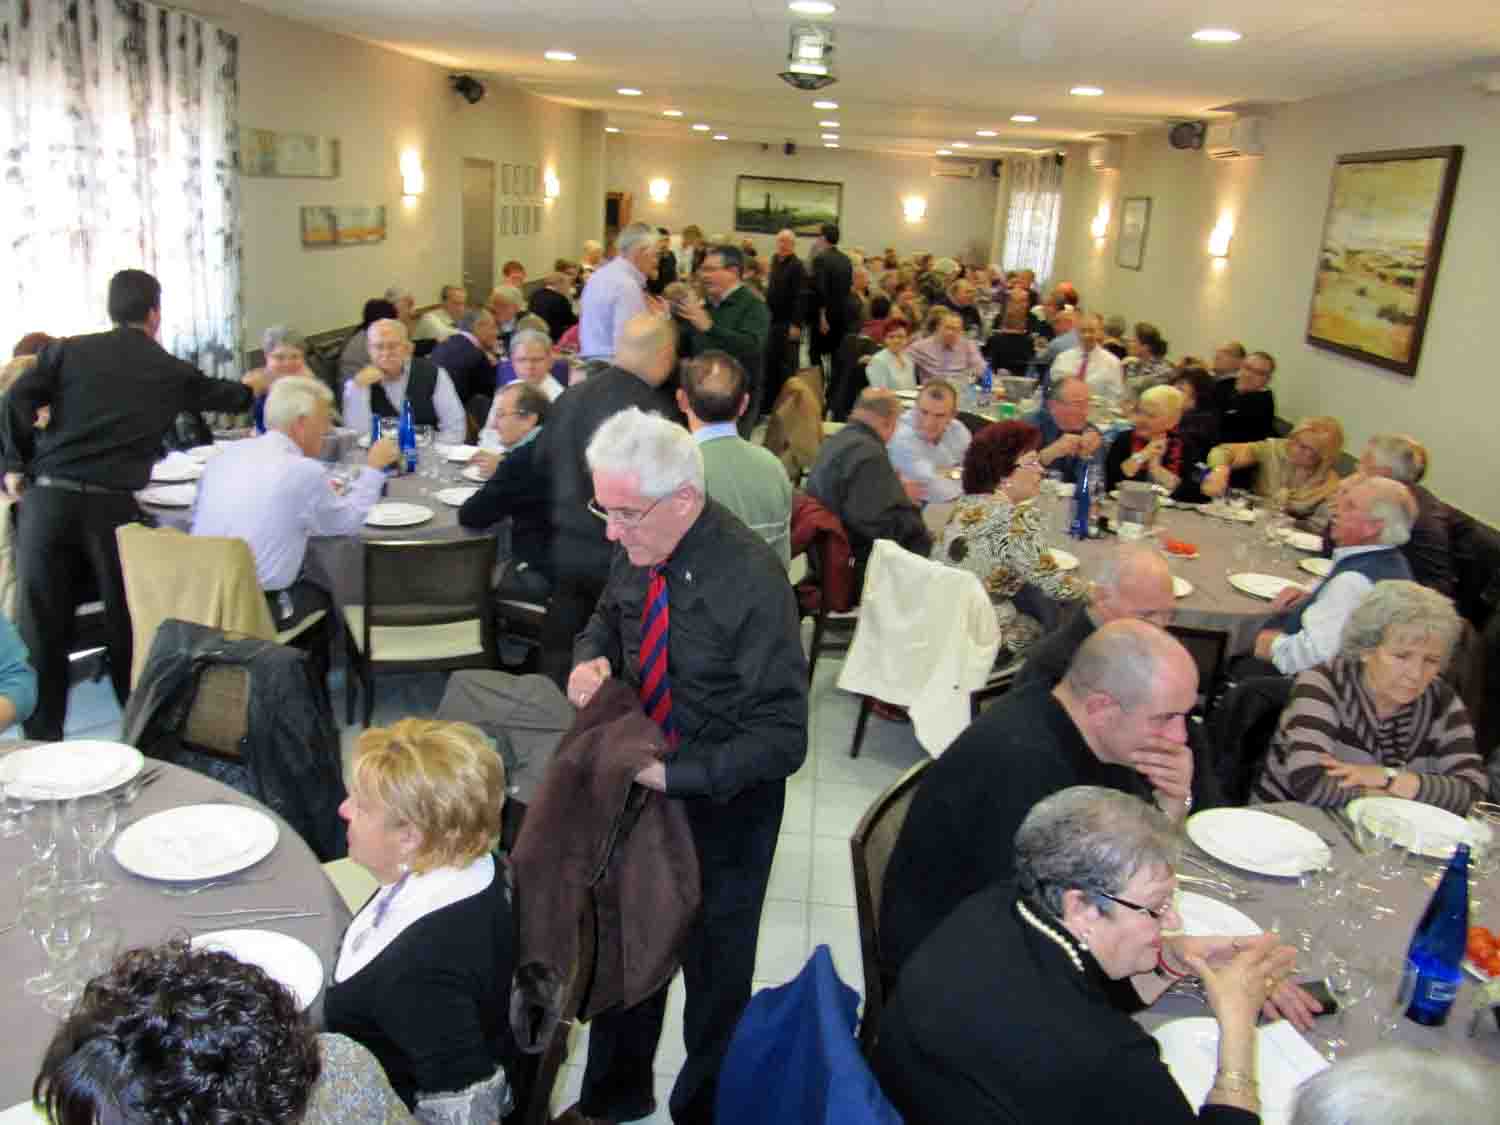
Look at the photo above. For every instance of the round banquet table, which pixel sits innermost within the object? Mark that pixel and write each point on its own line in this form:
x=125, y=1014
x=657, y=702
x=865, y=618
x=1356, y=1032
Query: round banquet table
x=1387, y=938
x=146, y=916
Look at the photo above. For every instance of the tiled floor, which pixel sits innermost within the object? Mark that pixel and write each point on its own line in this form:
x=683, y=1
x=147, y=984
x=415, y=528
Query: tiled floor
x=811, y=898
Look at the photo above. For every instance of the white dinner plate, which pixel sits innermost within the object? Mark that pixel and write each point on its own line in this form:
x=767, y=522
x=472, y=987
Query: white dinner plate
x=1302, y=540
x=909, y=394
x=168, y=495
x=474, y=474
x=1265, y=586
x=1320, y=567
x=1181, y=587
x=1258, y=841
x=1063, y=560
x=1208, y=917
x=176, y=469
x=1434, y=830
x=58, y=771
x=1222, y=512
x=286, y=960
x=455, y=497
x=1284, y=1060
x=397, y=513
x=205, y=452
x=461, y=453
x=193, y=842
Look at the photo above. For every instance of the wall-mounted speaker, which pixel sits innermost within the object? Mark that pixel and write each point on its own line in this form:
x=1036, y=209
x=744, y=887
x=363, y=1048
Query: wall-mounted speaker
x=1186, y=135
x=790, y=148
x=467, y=87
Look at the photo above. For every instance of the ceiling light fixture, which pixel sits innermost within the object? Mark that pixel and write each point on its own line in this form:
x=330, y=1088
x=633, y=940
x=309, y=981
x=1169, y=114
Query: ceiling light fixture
x=985, y=133
x=700, y=128
x=825, y=105
x=560, y=56
x=1086, y=92
x=830, y=136
x=812, y=7
x=945, y=152
x=828, y=124
x=958, y=144
x=671, y=113
x=629, y=91
x=611, y=128
x=829, y=144
x=1217, y=35
x=721, y=136
x=1023, y=118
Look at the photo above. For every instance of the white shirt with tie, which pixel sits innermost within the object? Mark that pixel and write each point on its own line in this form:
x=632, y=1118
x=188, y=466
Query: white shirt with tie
x=1103, y=373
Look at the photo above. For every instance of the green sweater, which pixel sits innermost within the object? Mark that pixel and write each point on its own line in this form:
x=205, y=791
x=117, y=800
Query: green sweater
x=749, y=481
x=741, y=324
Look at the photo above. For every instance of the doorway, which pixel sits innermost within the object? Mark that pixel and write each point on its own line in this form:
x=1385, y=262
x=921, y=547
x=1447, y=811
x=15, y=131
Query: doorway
x=479, y=228
x=616, y=215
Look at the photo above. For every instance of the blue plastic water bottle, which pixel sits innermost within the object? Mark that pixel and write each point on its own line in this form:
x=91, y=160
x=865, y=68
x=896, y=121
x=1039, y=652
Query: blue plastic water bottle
x=1082, y=487
x=1435, y=957
x=374, y=427
x=406, y=438
x=986, y=386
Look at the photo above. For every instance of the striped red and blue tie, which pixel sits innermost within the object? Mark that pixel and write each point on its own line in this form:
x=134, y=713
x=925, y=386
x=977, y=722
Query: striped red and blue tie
x=656, y=685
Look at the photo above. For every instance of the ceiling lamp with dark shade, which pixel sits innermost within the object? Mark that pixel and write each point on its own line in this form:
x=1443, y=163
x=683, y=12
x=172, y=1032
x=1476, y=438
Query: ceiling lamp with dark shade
x=809, y=60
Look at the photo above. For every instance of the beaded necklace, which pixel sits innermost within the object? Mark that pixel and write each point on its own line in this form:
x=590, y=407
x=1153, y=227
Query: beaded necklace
x=1043, y=928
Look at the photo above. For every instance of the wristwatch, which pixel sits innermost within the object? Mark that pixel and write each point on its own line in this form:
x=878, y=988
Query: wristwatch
x=1390, y=777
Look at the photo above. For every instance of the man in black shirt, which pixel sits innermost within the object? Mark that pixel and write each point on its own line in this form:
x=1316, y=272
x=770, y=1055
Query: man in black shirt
x=1247, y=405
x=784, y=299
x=721, y=669
x=111, y=397
x=553, y=303
x=1118, y=719
x=832, y=280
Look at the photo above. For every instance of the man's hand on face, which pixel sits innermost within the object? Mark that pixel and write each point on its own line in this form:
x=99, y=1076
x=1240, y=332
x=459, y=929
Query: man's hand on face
x=368, y=375
x=1167, y=765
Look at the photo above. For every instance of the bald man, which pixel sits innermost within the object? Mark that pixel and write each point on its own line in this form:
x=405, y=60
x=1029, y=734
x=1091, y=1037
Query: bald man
x=645, y=354
x=784, y=299
x=1090, y=361
x=1118, y=719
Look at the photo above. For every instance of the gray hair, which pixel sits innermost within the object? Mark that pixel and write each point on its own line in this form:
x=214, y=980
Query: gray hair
x=396, y=292
x=474, y=318
x=878, y=402
x=292, y=397
x=1111, y=572
x=1393, y=604
x=1090, y=839
x=1057, y=386
x=660, y=454
x=508, y=294
x=1392, y=504
x=1121, y=660
x=530, y=336
x=279, y=334
x=527, y=399
x=1403, y=458
x=636, y=234
x=1396, y=1084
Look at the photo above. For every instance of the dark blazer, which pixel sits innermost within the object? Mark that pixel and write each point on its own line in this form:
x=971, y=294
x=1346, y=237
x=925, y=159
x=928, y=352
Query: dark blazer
x=555, y=309
x=114, y=395
x=467, y=365
x=518, y=489
x=741, y=324
x=666, y=273
x=832, y=280
x=784, y=292
x=1245, y=417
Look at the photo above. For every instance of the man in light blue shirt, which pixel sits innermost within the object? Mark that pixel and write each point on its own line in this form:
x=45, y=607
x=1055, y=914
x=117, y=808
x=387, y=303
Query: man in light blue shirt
x=272, y=492
x=930, y=443
x=617, y=292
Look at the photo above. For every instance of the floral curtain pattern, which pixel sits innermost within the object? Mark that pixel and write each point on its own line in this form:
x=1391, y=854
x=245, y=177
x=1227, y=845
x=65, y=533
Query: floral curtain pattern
x=1035, y=206
x=118, y=149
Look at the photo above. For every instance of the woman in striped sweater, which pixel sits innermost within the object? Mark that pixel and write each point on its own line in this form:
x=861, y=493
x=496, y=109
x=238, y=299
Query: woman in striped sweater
x=1377, y=720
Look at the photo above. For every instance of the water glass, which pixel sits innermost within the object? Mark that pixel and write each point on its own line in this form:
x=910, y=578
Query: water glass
x=389, y=428
x=426, y=463
x=11, y=807
x=94, y=820
x=39, y=886
x=62, y=939
x=1484, y=838
x=1388, y=837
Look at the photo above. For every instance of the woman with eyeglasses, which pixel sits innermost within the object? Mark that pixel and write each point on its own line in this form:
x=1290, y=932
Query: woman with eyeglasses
x=996, y=531
x=1295, y=472
x=1017, y=1008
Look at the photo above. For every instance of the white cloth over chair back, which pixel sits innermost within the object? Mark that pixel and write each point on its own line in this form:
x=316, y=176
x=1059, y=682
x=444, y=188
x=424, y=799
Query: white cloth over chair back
x=926, y=640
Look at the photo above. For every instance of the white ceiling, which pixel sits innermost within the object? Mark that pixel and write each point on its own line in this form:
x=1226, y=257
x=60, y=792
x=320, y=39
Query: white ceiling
x=912, y=77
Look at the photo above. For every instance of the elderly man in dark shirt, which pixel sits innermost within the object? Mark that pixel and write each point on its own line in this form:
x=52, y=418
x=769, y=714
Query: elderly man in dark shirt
x=854, y=479
x=112, y=396
x=1429, y=550
x=1067, y=438
x=784, y=299
x=832, y=282
x=699, y=619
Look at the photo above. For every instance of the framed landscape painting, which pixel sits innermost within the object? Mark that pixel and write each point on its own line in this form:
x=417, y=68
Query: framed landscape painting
x=1378, y=259
x=766, y=204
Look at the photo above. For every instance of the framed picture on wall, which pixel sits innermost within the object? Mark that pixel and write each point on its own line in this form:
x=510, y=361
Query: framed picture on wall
x=536, y=219
x=505, y=175
x=1378, y=260
x=523, y=213
x=766, y=204
x=531, y=179
x=504, y=220
x=1135, y=223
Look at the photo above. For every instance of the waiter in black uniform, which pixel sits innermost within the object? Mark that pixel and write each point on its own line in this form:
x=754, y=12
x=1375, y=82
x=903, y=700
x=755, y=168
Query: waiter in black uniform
x=110, y=399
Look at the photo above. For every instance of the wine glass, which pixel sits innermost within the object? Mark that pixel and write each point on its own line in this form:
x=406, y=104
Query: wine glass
x=1484, y=838
x=62, y=939
x=11, y=807
x=1350, y=980
x=40, y=885
x=1388, y=835
x=94, y=819
x=41, y=824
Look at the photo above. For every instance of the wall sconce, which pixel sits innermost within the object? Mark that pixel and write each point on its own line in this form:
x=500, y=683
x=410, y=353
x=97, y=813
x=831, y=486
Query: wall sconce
x=1100, y=226
x=1219, y=239
x=914, y=207
x=413, y=179
x=550, y=185
x=661, y=190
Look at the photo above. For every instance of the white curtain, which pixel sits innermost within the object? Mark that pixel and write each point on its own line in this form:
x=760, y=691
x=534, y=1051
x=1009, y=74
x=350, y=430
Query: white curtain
x=118, y=149
x=1035, y=205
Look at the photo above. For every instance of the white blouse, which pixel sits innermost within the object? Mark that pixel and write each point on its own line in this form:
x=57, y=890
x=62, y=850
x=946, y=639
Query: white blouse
x=407, y=901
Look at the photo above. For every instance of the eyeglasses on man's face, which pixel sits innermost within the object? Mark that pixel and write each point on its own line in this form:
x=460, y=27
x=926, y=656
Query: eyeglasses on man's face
x=623, y=517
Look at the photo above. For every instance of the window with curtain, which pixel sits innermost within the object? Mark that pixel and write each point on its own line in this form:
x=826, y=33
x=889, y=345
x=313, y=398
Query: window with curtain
x=118, y=149
x=1035, y=206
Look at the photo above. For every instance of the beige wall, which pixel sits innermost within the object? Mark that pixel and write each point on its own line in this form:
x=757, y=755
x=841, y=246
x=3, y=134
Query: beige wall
x=379, y=104
x=1260, y=294
x=703, y=172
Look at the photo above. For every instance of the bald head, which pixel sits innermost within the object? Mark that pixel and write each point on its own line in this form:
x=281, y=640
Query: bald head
x=1126, y=660
x=647, y=348
x=1133, y=583
x=879, y=409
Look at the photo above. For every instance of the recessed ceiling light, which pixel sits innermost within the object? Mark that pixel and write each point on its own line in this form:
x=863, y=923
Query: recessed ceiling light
x=1023, y=118
x=829, y=144
x=611, y=128
x=828, y=124
x=560, y=56
x=1217, y=35
x=959, y=144
x=945, y=152
x=813, y=7
x=700, y=128
x=1086, y=92
x=825, y=105
x=671, y=113
x=721, y=136
x=985, y=133
x=629, y=91
x=830, y=136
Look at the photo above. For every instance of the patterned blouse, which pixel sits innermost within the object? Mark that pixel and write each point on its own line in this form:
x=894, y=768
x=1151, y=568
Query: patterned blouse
x=352, y=1089
x=1001, y=543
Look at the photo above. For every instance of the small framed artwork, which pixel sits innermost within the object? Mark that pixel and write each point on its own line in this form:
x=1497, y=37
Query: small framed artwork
x=1135, y=224
x=531, y=179
x=504, y=220
x=506, y=171
x=536, y=220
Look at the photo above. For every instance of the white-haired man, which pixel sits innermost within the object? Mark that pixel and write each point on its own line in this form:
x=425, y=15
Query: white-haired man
x=692, y=581
x=396, y=375
x=617, y=292
x=442, y=322
x=272, y=492
x=1429, y=551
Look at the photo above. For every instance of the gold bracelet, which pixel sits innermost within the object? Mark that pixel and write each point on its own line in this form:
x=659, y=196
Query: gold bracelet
x=1236, y=1082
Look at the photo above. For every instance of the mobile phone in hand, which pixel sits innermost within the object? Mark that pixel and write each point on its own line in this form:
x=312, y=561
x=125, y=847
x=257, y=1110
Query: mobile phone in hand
x=1318, y=990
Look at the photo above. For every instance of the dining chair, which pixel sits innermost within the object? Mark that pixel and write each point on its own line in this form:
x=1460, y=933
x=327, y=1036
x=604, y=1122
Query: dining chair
x=870, y=847
x=1207, y=647
x=427, y=605
x=833, y=627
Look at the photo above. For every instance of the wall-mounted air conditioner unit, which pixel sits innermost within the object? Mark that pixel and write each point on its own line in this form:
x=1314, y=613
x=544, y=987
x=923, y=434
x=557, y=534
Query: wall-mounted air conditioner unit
x=1234, y=139
x=956, y=169
x=1105, y=155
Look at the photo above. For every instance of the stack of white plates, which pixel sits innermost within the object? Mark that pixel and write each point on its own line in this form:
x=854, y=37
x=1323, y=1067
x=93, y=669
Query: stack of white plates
x=59, y=771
